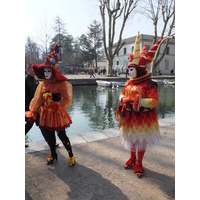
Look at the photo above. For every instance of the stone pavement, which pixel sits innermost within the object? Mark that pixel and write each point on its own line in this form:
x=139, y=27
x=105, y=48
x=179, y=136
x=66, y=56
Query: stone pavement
x=99, y=172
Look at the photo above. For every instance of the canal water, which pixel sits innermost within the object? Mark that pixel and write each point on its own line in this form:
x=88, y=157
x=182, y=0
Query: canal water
x=94, y=107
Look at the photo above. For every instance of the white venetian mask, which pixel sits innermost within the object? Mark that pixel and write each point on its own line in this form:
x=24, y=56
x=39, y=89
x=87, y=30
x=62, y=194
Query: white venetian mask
x=132, y=72
x=47, y=72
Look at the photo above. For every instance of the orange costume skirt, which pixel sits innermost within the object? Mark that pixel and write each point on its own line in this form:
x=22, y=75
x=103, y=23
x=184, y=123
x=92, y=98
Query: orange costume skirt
x=57, y=120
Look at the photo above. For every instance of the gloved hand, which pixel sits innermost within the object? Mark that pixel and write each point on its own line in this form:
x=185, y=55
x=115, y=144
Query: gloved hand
x=30, y=115
x=127, y=99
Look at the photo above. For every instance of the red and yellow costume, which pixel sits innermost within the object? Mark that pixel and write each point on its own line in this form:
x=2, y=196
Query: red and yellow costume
x=138, y=122
x=51, y=99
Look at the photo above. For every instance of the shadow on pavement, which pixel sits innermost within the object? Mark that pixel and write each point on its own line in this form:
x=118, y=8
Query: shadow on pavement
x=27, y=196
x=59, y=181
x=166, y=183
x=85, y=183
x=99, y=173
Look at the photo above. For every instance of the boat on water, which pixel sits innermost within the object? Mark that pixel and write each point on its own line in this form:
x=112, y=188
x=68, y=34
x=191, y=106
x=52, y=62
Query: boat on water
x=104, y=83
x=164, y=82
x=159, y=82
x=118, y=84
x=110, y=83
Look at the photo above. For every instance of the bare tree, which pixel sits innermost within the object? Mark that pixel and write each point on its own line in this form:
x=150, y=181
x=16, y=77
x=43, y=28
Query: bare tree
x=164, y=11
x=114, y=10
x=44, y=34
x=60, y=31
x=31, y=51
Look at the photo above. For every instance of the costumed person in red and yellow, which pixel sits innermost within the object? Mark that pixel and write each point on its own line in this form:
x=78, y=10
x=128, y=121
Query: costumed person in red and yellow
x=136, y=115
x=51, y=99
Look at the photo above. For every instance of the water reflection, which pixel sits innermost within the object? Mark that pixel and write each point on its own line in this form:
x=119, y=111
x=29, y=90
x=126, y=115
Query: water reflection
x=166, y=106
x=94, y=107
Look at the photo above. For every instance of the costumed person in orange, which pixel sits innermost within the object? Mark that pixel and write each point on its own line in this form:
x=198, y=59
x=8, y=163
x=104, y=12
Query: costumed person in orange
x=136, y=115
x=52, y=96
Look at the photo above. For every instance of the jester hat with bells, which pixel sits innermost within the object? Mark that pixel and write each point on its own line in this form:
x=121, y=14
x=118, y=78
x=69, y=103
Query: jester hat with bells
x=51, y=61
x=140, y=60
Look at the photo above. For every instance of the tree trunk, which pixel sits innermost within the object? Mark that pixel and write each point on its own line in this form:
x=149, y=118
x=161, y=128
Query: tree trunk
x=168, y=12
x=156, y=61
x=96, y=63
x=114, y=11
x=109, y=67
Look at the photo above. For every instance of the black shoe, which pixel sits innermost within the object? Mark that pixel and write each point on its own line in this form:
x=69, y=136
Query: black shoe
x=50, y=159
x=26, y=145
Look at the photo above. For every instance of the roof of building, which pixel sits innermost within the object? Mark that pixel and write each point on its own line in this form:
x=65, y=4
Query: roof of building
x=143, y=37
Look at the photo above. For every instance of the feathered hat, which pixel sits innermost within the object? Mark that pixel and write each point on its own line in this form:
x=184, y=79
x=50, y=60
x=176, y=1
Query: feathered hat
x=140, y=60
x=51, y=61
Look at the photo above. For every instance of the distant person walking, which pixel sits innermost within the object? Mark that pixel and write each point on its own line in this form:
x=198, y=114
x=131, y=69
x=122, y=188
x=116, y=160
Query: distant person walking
x=92, y=73
x=104, y=71
x=30, y=87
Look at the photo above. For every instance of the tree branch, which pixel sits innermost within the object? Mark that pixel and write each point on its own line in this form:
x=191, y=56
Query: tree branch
x=102, y=11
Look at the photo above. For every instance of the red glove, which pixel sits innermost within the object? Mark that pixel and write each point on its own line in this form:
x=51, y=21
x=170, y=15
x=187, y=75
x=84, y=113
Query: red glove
x=31, y=116
x=127, y=99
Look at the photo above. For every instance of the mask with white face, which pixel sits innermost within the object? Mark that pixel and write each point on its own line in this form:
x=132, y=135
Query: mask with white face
x=132, y=72
x=47, y=72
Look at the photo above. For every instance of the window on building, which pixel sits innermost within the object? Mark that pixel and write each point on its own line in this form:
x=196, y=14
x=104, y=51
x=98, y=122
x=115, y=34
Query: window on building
x=124, y=65
x=132, y=49
x=124, y=51
x=118, y=53
x=166, y=64
x=117, y=62
x=167, y=52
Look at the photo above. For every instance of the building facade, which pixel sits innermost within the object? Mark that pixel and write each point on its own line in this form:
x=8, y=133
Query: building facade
x=165, y=66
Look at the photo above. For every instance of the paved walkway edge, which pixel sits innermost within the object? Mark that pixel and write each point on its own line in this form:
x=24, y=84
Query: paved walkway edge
x=90, y=136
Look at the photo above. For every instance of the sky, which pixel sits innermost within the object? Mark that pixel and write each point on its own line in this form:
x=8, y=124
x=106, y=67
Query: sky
x=77, y=15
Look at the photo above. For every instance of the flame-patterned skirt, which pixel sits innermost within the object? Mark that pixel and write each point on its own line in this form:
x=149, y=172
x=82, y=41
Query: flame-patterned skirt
x=138, y=129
